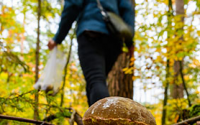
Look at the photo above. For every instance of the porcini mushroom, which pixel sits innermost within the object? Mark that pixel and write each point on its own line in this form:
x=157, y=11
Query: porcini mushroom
x=117, y=111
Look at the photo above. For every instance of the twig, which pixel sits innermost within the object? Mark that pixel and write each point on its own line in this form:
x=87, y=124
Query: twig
x=72, y=117
x=24, y=120
x=189, y=121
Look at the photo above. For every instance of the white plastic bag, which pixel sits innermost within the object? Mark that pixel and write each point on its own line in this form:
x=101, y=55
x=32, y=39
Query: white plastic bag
x=52, y=74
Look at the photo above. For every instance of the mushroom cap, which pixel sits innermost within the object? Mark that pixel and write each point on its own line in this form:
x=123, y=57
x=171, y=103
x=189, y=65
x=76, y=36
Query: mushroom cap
x=117, y=111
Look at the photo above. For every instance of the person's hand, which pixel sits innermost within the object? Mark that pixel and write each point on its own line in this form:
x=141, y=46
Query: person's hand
x=51, y=44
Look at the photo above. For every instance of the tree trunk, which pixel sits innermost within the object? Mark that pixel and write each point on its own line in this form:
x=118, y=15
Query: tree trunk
x=177, y=87
x=119, y=83
x=164, y=111
x=36, y=112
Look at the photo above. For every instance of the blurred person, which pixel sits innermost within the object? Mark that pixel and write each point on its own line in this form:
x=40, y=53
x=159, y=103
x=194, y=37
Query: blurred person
x=98, y=50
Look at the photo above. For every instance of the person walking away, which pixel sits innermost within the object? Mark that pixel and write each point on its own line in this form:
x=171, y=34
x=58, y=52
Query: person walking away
x=97, y=48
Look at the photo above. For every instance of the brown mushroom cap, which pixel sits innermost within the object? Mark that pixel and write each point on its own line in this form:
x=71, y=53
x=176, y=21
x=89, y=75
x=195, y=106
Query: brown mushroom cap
x=118, y=111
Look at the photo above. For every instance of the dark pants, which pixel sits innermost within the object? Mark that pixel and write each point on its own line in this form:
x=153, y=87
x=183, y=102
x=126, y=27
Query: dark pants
x=97, y=54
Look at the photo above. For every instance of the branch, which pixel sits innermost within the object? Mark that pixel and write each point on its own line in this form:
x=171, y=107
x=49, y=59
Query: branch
x=65, y=73
x=189, y=121
x=184, y=84
x=24, y=120
x=72, y=117
x=78, y=119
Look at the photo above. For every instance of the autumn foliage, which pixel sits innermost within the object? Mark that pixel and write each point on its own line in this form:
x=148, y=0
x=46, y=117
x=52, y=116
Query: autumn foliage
x=167, y=54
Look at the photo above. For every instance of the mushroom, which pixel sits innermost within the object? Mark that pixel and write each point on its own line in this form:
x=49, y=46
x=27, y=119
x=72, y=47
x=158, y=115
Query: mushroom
x=117, y=111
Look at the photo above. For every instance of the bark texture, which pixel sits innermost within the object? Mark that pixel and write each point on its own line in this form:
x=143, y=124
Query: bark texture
x=119, y=83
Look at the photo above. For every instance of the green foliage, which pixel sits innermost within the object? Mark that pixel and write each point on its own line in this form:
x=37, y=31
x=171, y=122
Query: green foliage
x=157, y=40
x=9, y=59
x=17, y=64
x=195, y=110
x=197, y=3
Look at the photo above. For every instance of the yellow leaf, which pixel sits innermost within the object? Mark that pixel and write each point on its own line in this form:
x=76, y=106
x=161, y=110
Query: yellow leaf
x=198, y=32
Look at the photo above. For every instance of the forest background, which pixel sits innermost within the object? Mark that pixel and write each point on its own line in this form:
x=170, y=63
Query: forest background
x=165, y=75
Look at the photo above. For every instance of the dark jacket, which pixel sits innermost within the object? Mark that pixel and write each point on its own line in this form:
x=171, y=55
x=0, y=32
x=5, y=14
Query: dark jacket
x=88, y=16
